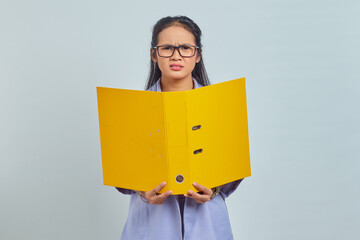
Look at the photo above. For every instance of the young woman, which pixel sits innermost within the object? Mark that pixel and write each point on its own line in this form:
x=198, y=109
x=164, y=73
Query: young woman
x=177, y=65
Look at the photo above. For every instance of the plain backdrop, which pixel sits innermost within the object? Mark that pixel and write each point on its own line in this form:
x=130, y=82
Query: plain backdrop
x=301, y=63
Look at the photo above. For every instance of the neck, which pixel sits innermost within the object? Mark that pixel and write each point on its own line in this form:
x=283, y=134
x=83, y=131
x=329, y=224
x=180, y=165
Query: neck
x=170, y=85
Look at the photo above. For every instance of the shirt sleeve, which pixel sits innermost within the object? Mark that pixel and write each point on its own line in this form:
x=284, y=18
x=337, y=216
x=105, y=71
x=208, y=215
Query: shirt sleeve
x=125, y=191
x=229, y=188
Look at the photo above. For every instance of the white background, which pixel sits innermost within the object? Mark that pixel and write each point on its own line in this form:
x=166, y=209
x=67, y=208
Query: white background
x=301, y=62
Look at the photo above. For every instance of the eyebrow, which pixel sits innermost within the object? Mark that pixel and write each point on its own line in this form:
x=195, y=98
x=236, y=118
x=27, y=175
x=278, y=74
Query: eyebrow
x=168, y=44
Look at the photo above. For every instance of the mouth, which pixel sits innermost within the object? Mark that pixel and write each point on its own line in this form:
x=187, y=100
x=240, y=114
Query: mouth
x=176, y=67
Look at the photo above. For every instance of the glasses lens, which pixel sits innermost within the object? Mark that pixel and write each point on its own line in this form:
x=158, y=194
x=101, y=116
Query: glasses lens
x=166, y=51
x=187, y=51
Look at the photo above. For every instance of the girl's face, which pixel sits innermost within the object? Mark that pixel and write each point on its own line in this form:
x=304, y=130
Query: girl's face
x=175, y=67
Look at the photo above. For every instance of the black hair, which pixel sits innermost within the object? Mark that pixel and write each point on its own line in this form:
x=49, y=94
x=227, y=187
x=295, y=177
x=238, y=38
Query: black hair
x=199, y=72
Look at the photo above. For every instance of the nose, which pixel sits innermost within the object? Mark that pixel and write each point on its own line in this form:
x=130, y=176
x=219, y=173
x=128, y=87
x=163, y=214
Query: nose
x=176, y=55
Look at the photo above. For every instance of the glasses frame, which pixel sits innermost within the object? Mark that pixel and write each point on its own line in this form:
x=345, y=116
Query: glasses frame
x=176, y=48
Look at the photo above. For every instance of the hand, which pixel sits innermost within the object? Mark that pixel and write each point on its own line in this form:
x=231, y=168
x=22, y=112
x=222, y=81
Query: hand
x=203, y=196
x=153, y=196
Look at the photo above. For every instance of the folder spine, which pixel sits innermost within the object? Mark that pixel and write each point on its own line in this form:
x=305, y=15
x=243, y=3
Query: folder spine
x=167, y=157
x=177, y=142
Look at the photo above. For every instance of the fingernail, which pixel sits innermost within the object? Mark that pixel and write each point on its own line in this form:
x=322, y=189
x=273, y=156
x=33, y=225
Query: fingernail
x=191, y=192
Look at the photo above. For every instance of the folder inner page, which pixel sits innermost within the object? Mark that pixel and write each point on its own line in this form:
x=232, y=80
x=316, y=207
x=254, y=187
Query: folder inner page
x=132, y=138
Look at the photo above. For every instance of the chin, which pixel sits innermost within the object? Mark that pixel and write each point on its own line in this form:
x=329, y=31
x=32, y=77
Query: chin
x=177, y=76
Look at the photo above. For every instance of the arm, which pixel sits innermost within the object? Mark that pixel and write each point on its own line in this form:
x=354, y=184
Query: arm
x=125, y=191
x=227, y=189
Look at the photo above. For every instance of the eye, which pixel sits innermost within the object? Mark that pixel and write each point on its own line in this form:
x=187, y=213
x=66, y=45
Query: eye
x=166, y=48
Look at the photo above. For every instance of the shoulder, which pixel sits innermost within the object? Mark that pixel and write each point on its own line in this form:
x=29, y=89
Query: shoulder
x=155, y=87
x=152, y=88
x=197, y=84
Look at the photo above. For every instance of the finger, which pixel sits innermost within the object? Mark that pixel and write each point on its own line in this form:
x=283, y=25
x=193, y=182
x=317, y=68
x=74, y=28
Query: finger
x=200, y=198
x=197, y=200
x=203, y=189
x=198, y=195
x=157, y=189
x=160, y=199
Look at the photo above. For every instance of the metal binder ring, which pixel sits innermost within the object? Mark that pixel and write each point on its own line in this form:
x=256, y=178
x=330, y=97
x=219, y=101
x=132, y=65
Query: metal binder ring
x=179, y=178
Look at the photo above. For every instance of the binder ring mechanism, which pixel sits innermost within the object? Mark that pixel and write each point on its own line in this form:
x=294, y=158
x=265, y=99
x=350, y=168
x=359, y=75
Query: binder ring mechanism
x=179, y=178
x=197, y=127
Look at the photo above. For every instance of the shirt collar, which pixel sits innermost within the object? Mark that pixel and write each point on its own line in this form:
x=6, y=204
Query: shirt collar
x=157, y=88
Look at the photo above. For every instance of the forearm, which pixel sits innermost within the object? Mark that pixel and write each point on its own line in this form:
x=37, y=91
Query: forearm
x=228, y=188
x=125, y=191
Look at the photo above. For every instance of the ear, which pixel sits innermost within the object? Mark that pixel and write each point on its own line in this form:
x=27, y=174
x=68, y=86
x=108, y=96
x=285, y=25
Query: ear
x=198, y=57
x=153, y=55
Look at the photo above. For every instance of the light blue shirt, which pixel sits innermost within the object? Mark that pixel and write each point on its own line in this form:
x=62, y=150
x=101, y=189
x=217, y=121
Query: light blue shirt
x=207, y=221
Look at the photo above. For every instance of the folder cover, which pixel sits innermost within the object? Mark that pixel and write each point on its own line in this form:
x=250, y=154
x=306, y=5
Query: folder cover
x=181, y=137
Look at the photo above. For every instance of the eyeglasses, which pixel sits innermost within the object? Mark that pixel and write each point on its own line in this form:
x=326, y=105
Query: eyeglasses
x=184, y=50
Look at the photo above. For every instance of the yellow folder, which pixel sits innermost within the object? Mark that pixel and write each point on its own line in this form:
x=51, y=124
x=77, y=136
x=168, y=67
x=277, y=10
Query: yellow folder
x=181, y=137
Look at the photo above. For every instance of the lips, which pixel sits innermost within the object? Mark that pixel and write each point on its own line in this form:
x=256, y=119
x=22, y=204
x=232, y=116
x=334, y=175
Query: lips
x=176, y=67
